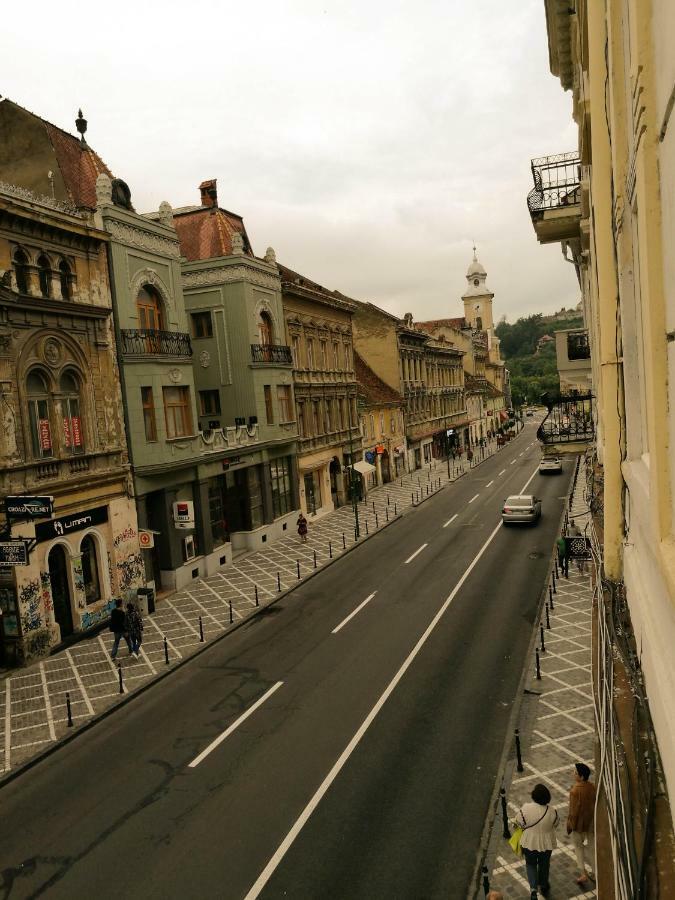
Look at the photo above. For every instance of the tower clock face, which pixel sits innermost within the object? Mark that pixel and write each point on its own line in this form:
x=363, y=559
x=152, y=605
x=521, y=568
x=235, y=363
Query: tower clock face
x=476, y=282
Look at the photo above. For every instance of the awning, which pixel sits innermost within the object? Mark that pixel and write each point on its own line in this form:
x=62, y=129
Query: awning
x=363, y=467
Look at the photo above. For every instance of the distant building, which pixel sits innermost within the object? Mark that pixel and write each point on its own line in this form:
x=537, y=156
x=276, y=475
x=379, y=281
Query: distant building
x=382, y=426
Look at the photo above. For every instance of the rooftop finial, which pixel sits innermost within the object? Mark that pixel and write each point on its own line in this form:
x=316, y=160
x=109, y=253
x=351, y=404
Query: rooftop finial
x=475, y=258
x=81, y=125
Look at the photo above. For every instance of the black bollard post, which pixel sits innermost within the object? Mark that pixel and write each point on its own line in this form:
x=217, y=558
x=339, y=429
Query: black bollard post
x=377, y=522
x=548, y=618
x=550, y=599
x=541, y=633
x=536, y=653
x=330, y=550
x=201, y=631
x=519, y=756
x=395, y=509
x=297, y=563
x=356, y=537
x=505, y=816
x=119, y=673
x=366, y=526
x=386, y=513
x=486, y=881
x=387, y=499
x=231, y=619
x=166, y=651
x=553, y=576
x=413, y=497
x=427, y=487
x=315, y=559
x=69, y=710
x=373, y=506
x=557, y=573
x=344, y=545
x=256, y=594
x=278, y=582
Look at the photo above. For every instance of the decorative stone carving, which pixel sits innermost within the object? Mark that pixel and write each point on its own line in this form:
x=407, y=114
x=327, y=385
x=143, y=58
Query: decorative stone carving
x=144, y=240
x=52, y=352
x=228, y=274
x=175, y=375
x=103, y=190
x=5, y=341
x=270, y=256
x=42, y=199
x=8, y=446
x=166, y=214
x=149, y=276
x=237, y=244
x=205, y=359
x=408, y=320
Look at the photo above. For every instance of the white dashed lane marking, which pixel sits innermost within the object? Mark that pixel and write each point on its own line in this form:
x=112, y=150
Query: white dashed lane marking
x=419, y=550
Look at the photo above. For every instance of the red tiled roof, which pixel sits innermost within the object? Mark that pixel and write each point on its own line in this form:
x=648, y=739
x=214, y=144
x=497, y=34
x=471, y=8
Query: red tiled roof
x=207, y=232
x=79, y=165
x=434, y=324
x=371, y=387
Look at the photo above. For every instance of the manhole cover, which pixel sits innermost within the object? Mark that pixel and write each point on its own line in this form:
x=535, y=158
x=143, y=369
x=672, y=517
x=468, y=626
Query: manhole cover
x=535, y=555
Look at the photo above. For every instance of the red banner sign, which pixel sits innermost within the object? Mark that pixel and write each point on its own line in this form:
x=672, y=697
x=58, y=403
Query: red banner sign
x=76, y=431
x=66, y=431
x=45, y=434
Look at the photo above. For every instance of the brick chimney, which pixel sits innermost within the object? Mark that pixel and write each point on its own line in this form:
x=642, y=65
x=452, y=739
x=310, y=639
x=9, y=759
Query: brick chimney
x=209, y=194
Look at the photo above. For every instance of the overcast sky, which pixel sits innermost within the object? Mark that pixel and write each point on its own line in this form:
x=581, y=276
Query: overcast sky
x=368, y=141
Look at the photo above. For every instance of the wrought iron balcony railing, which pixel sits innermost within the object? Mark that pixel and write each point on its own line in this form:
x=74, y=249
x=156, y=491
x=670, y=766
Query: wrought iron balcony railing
x=557, y=182
x=569, y=419
x=155, y=343
x=578, y=346
x=271, y=353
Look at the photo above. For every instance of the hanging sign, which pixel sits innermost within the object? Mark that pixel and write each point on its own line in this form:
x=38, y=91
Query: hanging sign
x=146, y=539
x=66, y=432
x=45, y=435
x=76, y=431
x=29, y=507
x=184, y=514
x=13, y=553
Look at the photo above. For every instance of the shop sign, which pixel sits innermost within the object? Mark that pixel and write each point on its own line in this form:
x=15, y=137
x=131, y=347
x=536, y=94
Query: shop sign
x=184, y=514
x=13, y=553
x=45, y=434
x=379, y=449
x=28, y=507
x=231, y=461
x=146, y=539
x=450, y=432
x=45, y=531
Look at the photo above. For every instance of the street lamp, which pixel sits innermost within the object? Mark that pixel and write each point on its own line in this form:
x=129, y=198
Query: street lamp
x=352, y=480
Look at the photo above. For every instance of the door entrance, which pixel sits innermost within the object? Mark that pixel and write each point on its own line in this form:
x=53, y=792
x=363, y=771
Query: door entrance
x=58, y=575
x=312, y=493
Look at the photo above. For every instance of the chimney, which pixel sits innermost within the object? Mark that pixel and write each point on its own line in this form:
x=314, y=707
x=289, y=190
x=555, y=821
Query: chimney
x=209, y=194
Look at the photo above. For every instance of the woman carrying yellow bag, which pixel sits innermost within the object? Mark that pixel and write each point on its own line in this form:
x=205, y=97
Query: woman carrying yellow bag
x=535, y=837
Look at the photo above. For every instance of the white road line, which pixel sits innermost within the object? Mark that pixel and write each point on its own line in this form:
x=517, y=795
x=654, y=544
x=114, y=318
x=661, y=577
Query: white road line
x=520, y=454
x=85, y=696
x=228, y=731
x=284, y=846
x=489, y=483
x=513, y=462
x=352, y=614
x=48, y=705
x=501, y=473
x=8, y=725
x=450, y=521
x=419, y=550
x=475, y=497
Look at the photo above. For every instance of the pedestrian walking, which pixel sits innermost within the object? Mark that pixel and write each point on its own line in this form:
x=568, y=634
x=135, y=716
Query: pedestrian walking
x=302, y=528
x=580, y=822
x=575, y=531
x=118, y=626
x=563, y=557
x=538, y=821
x=134, y=628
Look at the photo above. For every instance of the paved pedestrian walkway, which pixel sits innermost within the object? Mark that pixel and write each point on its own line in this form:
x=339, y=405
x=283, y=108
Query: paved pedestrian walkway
x=558, y=731
x=33, y=701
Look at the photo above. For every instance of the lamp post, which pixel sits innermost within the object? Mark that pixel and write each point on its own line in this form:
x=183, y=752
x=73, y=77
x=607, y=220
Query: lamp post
x=352, y=480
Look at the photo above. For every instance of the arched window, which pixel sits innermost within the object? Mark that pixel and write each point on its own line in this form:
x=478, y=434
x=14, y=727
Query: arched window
x=265, y=328
x=73, y=438
x=64, y=277
x=21, y=271
x=90, y=576
x=149, y=307
x=479, y=323
x=38, y=415
x=45, y=275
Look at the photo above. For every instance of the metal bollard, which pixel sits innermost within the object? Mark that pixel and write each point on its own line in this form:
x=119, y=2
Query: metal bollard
x=413, y=497
x=69, y=710
x=201, y=631
x=330, y=550
x=366, y=526
x=536, y=653
x=541, y=632
x=256, y=594
x=387, y=499
x=119, y=672
x=377, y=522
x=550, y=600
x=548, y=618
x=427, y=487
x=506, y=834
x=386, y=513
x=550, y=594
x=344, y=544
x=231, y=619
x=278, y=582
x=486, y=881
x=557, y=573
x=395, y=510
x=553, y=576
x=297, y=564
x=373, y=506
x=315, y=559
x=166, y=651
x=519, y=756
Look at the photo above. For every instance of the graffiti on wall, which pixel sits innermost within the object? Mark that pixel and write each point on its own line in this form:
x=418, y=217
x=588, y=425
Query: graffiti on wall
x=46, y=593
x=29, y=604
x=128, y=534
x=78, y=582
x=95, y=617
x=130, y=571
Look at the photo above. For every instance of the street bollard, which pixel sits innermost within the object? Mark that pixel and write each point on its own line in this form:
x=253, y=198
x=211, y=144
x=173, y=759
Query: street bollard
x=554, y=590
x=427, y=487
x=413, y=497
x=231, y=619
x=486, y=881
x=366, y=526
x=506, y=834
x=315, y=559
x=201, y=631
x=557, y=573
x=344, y=544
x=550, y=594
x=119, y=672
x=395, y=509
x=69, y=710
x=386, y=513
x=330, y=550
x=166, y=651
x=536, y=653
x=256, y=594
x=387, y=499
x=519, y=756
x=373, y=506
x=548, y=618
x=541, y=632
x=297, y=564
x=278, y=582
x=377, y=522
x=356, y=537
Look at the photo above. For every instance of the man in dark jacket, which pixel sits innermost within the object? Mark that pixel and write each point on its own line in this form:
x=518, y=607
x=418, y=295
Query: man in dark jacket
x=118, y=626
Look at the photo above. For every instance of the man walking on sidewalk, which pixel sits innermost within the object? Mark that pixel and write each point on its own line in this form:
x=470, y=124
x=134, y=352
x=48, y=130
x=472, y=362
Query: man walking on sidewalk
x=580, y=821
x=118, y=626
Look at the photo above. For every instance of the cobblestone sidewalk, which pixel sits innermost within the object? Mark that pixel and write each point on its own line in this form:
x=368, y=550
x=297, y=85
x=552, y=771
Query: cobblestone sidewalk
x=33, y=709
x=560, y=731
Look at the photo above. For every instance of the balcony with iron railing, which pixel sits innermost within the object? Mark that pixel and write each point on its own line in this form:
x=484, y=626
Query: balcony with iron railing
x=148, y=342
x=555, y=200
x=569, y=420
x=271, y=354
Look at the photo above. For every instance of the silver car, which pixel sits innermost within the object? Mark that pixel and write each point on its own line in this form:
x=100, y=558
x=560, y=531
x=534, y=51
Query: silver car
x=521, y=508
x=550, y=464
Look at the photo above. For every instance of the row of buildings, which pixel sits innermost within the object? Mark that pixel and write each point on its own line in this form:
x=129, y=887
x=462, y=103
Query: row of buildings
x=181, y=398
x=610, y=203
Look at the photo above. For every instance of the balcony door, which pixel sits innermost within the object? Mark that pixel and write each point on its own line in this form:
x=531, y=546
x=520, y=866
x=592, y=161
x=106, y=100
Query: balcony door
x=149, y=307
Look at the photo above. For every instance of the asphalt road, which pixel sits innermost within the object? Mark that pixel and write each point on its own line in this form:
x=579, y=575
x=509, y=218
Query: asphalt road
x=367, y=767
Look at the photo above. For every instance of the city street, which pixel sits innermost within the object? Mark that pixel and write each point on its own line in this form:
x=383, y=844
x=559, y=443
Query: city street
x=345, y=744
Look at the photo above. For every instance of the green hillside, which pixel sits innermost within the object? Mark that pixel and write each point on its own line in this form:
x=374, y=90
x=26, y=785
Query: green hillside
x=532, y=373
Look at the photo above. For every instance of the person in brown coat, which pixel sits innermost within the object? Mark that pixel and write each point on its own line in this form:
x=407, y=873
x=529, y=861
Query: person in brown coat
x=580, y=821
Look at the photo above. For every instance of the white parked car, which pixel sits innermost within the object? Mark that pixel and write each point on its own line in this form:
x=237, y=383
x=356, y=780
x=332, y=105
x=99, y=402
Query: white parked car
x=521, y=508
x=550, y=464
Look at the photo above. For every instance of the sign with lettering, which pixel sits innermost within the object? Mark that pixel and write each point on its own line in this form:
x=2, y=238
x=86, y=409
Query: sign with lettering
x=13, y=553
x=46, y=531
x=184, y=514
x=28, y=507
x=45, y=434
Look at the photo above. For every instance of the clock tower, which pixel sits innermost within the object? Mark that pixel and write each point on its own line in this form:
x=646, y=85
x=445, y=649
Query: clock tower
x=478, y=298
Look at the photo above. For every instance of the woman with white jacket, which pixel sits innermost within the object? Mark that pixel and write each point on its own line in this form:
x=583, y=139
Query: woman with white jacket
x=538, y=821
